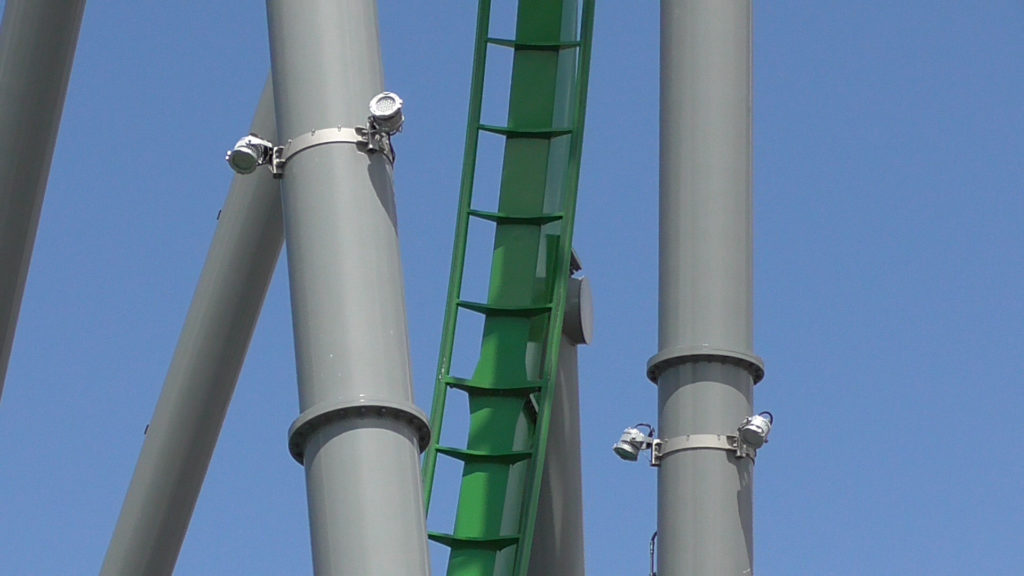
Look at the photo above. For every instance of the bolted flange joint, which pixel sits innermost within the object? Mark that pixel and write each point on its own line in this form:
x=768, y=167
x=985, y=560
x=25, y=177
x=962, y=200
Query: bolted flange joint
x=326, y=413
x=683, y=354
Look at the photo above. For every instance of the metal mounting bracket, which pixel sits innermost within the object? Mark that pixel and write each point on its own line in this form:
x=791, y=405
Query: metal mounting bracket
x=727, y=442
x=366, y=139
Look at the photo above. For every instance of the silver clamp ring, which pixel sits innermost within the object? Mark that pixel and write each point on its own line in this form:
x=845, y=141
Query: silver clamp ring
x=365, y=139
x=338, y=135
x=727, y=442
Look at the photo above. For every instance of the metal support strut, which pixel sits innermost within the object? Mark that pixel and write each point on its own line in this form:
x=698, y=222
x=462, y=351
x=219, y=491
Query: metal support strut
x=37, y=47
x=705, y=367
x=359, y=434
x=202, y=376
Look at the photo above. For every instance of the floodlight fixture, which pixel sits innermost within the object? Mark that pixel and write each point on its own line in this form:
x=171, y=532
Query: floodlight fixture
x=249, y=153
x=633, y=441
x=755, y=429
x=385, y=120
x=386, y=112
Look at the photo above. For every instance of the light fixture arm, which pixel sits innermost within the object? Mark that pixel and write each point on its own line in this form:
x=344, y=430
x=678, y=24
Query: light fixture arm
x=653, y=547
x=650, y=429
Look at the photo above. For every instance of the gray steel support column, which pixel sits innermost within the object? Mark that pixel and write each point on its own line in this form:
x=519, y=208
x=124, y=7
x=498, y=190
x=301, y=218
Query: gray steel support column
x=558, y=535
x=203, y=373
x=359, y=434
x=705, y=368
x=37, y=47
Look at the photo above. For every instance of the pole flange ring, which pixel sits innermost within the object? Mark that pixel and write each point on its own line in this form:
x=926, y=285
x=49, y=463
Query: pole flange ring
x=682, y=354
x=327, y=412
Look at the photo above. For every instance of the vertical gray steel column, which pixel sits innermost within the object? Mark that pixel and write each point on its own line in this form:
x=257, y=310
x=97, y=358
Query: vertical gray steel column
x=201, y=380
x=37, y=46
x=558, y=534
x=359, y=434
x=705, y=368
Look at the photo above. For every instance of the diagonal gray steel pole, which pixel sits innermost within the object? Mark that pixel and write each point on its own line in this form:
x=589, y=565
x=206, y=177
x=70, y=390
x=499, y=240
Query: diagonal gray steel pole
x=359, y=434
x=37, y=47
x=705, y=368
x=203, y=373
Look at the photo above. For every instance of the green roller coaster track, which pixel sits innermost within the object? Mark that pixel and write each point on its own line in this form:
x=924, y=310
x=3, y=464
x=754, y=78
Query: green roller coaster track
x=511, y=390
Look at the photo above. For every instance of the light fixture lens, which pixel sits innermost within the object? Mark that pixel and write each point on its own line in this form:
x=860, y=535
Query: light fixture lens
x=386, y=110
x=243, y=160
x=384, y=105
x=249, y=153
x=630, y=444
x=626, y=451
x=754, y=430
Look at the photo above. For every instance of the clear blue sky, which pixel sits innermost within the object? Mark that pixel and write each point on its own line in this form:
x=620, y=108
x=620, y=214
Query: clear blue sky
x=889, y=194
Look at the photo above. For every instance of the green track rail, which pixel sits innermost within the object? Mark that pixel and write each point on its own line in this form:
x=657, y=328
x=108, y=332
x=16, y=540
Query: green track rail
x=511, y=389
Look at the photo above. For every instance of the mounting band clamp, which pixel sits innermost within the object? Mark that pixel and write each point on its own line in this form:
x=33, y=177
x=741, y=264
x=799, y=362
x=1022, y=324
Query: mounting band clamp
x=366, y=139
x=325, y=413
x=727, y=442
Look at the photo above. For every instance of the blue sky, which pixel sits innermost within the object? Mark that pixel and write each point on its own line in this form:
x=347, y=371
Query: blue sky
x=889, y=271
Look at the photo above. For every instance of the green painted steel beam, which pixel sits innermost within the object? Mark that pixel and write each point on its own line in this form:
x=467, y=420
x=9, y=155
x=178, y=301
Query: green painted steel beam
x=511, y=387
x=486, y=488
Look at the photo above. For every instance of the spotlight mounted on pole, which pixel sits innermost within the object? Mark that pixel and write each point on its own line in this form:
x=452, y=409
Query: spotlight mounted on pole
x=755, y=429
x=249, y=153
x=386, y=113
x=633, y=441
x=385, y=120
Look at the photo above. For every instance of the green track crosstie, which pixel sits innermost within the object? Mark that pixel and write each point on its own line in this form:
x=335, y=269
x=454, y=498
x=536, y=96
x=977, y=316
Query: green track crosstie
x=511, y=389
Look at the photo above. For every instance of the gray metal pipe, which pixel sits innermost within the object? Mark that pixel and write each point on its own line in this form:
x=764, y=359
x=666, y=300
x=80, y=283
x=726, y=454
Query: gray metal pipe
x=558, y=535
x=37, y=47
x=705, y=367
x=359, y=434
x=201, y=380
